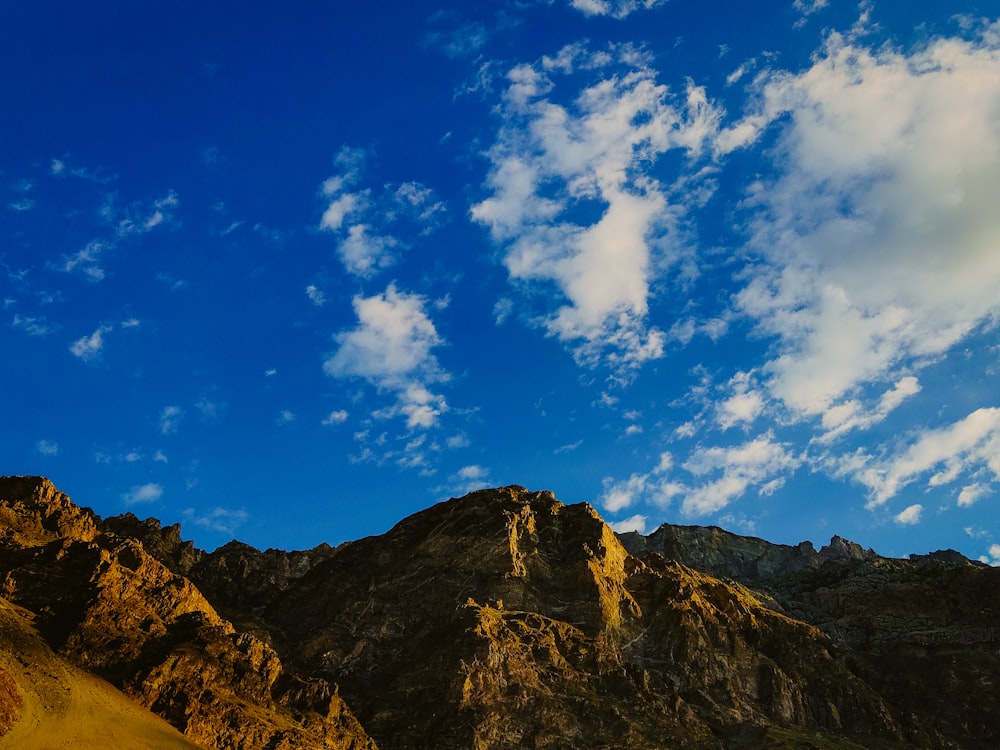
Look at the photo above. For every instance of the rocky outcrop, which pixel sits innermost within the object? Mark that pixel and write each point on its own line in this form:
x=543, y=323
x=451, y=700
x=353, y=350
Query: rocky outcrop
x=242, y=580
x=923, y=633
x=109, y=606
x=505, y=619
x=747, y=559
x=164, y=543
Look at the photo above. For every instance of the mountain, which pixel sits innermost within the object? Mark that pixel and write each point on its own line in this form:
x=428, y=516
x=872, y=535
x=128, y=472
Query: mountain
x=503, y=619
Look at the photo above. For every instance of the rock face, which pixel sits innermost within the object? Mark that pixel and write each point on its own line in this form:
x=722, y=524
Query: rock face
x=506, y=619
x=102, y=601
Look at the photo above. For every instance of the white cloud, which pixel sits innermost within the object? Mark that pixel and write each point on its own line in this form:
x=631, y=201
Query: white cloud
x=573, y=202
x=145, y=493
x=620, y=495
x=87, y=261
x=850, y=414
x=807, y=8
x=61, y=168
x=335, y=417
x=125, y=224
x=419, y=203
x=724, y=474
x=970, y=494
x=285, y=416
x=47, y=447
x=458, y=441
x=909, y=515
x=89, y=347
x=472, y=472
x=364, y=254
x=217, y=519
x=316, y=295
x=636, y=523
x=993, y=557
x=655, y=487
x=462, y=41
x=468, y=479
x=744, y=406
x=880, y=230
x=363, y=218
x=568, y=447
x=613, y=8
x=170, y=418
x=740, y=408
x=340, y=208
x=970, y=444
x=391, y=349
x=32, y=326
x=503, y=309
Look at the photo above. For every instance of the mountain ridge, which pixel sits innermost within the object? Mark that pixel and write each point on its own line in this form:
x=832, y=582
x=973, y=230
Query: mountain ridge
x=508, y=619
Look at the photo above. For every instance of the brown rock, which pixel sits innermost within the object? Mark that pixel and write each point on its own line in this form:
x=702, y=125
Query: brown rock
x=506, y=619
x=106, y=604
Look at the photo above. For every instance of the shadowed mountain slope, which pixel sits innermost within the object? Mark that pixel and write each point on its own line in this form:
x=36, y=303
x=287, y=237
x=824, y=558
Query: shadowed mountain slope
x=505, y=619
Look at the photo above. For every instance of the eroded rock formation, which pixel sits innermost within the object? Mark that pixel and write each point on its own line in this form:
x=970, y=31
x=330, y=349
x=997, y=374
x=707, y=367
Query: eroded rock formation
x=505, y=619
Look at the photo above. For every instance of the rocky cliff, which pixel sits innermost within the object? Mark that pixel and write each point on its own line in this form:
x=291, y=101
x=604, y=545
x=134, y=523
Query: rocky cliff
x=104, y=603
x=506, y=619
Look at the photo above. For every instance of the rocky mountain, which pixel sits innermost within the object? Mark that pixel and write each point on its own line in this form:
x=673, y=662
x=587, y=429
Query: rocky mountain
x=506, y=619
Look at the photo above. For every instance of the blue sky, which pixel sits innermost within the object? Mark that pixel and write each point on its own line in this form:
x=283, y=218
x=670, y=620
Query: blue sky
x=290, y=274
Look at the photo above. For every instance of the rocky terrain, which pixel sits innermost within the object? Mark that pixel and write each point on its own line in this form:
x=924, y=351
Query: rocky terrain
x=503, y=619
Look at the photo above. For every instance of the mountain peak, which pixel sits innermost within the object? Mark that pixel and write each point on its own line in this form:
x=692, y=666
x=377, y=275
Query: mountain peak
x=37, y=512
x=506, y=618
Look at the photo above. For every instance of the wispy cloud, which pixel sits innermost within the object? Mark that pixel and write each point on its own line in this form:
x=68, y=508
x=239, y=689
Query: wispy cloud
x=574, y=204
x=468, y=479
x=391, y=349
x=635, y=523
x=316, y=295
x=942, y=455
x=62, y=168
x=613, y=8
x=88, y=348
x=125, y=224
x=873, y=253
x=721, y=475
x=338, y=416
x=453, y=37
x=363, y=253
x=365, y=219
x=744, y=405
x=656, y=487
x=878, y=231
x=223, y=520
x=993, y=556
x=170, y=419
x=909, y=516
x=143, y=493
x=32, y=326
x=47, y=447
x=712, y=478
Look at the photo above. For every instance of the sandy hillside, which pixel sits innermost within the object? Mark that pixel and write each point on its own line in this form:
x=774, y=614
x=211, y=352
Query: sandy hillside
x=64, y=707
